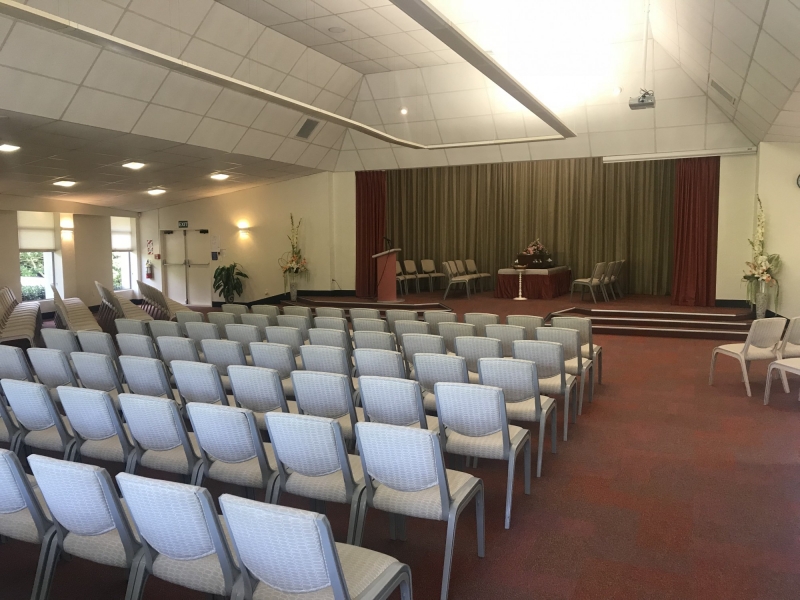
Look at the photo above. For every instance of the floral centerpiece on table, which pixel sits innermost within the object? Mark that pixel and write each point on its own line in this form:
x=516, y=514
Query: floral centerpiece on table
x=535, y=256
x=761, y=271
x=292, y=263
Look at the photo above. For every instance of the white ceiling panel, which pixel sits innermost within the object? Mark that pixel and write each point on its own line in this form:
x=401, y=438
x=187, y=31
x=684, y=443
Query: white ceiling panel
x=237, y=108
x=315, y=68
x=680, y=139
x=229, y=29
x=167, y=123
x=681, y=111
x=212, y=133
x=472, y=103
x=151, y=34
x=611, y=143
x=185, y=93
x=290, y=150
x=101, y=109
x=125, y=76
x=260, y=75
x=259, y=143
x=183, y=15
x=96, y=14
x=467, y=130
x=374, y=160
x=34, y=94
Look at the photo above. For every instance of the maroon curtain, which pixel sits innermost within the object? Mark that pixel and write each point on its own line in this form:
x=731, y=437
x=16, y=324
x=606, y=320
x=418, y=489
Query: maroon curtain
x=370, y=228
x=694, y=273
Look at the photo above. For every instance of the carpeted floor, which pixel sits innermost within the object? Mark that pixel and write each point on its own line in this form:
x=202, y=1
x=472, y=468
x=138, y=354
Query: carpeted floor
x=667, y=488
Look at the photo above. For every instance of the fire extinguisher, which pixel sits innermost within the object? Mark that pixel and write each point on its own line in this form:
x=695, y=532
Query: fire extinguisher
x=149, y=272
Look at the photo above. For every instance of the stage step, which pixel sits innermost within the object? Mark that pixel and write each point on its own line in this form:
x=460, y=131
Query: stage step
x=706, y=334
x=672, y=323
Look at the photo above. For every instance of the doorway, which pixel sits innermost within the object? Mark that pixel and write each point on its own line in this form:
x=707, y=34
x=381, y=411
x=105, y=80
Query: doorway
x=186, y=265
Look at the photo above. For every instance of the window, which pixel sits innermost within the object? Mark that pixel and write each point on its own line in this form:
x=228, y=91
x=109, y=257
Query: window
x=122, y=254
x=37, y=244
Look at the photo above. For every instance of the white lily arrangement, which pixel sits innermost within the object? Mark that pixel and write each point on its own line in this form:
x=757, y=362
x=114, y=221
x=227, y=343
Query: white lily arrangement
x=763, y=267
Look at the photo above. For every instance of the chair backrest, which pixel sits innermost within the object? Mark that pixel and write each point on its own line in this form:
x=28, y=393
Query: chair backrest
x=473, y=348
x=309, y=446
x=258, y=320
x=329, y=311
x=481, y=320
x=270, y=311
x=507, y=334
x=428, y=266
x=299, y=322
x=146, y=376
x=92, y=415
x=362, y=324
x=288, y=336
x=410, y=267
x=403, y=328
x=228, y=434
x=329, y=337
x=175, y=348
x=428, y=344
x=450, y=272
x=96, y=372
x=472, y=268
x=599, y=270
x=274, y=356
x=529, y=322
x=51, y=367
x=764, y=333
x=364, y=313
x=33, y=407
x=548, y=357
x=472, y=410
x=791, y=338
x=61, y=339
x=83, y=502
x=434, y=317
x=394, y=315
x=617, y=269
x=288, y=549
x=460, y=267
x=381, y=363
x=326, y=359
x=133, y=344
x=323, y=394
x=257, y=388
x=188, y=316
x=223, y=353
x=17, y=494
x=381, y=340
x=244, y=334
x=392, y=401
x=302, y=311
x=156, y=423
x=165, y=329
x=569, y=338
x=433, y=368
x=220, y=319
x=398, y=270
x=338, y=323
x=582, y=325
x=404, y=459
x=179, y=521
x=202, y=331
x=13, y=364
x=199, y=382
x=235, y=309
x=99, y=342
x=450, y=331
x=518, y=379
x=134, y=326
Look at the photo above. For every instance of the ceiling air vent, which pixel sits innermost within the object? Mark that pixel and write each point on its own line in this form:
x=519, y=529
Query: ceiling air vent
x=306, y=129
x=723, y=92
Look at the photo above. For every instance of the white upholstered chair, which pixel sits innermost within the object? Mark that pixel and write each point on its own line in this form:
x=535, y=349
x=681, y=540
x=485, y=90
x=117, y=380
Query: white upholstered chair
x=134, y=344
x=299, y=322
x=529, y=322
x=235, y=309
x=434, y=317
x=327, y=395
x=429, y=270
x=473, y=348
x=147, y=377
x=595, y=281
x=330, y=311
x=789, y=347
x=369, y=324
x=167, y=328
x=97, y=372
x=450, y=331
x=186, y=316
x=380, y=340
x=507, y=334
x=24, y=514
x=430, y=369
x=259, y=389
x=589, y=349
x=41, y=426
x=481, y=320
x=364, y=313
x=574, y=362
x=288, y=336
x=381, y=363
x=279, y=357
x=200, y=382
x=303, y=311
x=395, y=402
x=270, y=311
x=134, y=326
x=453, y=278
x=245, y=335
x=221, y=320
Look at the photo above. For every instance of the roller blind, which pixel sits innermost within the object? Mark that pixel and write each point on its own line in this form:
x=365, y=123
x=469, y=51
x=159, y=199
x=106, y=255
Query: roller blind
x=36, y=231
x=121, y=234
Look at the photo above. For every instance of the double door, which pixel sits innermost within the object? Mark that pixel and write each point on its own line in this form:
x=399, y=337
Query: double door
x=186, y=262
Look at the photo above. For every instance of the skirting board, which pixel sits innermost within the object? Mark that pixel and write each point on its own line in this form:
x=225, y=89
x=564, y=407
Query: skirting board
x=285, y=296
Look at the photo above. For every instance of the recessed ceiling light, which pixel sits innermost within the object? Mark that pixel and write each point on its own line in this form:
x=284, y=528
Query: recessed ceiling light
x=617, y=91
x=220, y=176
x=133, y=165
x=336, y=29
x=403, y=111
x=8, y=148
x=64, y=183
x=157, y=191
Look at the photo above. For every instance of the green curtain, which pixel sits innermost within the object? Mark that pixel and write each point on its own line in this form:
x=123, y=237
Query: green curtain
x=584, y=211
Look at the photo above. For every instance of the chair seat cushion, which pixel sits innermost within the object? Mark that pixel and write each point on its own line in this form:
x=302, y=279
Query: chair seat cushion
x=526, y=409
x=329, y=488
x=586, y=352
x=298, y=361
x=429, y=401
x=19, y=525
x=424, y=504
x=173, y=460
x=431, y=422
x=347, y=426
x=261, y=420
x=486, y=446
x=202, y=574
x=106, y=548
x=48, y=439
x=473, y=377
x=571, y=365
x=791, y=351
x=288, y=388
x=246, y=473
x=753, y=353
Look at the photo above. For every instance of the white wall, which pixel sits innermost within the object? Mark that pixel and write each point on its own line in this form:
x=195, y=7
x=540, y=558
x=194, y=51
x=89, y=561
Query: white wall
x=737, y=195
x=325, y=202
x=92, y=256
x=778, y=169
x=9, y=252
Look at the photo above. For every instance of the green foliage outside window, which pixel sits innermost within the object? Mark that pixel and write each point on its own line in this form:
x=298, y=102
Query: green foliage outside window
x=31, y=264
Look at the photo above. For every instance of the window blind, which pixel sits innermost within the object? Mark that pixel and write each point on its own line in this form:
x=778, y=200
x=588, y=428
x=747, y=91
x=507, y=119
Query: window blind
x=36, y=231
x=121, y=234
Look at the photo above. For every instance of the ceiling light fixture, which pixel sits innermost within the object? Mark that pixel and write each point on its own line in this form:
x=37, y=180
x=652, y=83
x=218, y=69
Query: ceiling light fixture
x=8, y=148
x=64, y=183
x=157, y=191
x=403, y=111
x=336, y=29
x=617, y=91
x=133, y=165
x=220, y=176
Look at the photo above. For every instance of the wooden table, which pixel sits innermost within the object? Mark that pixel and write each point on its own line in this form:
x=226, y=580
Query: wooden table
x=536, y=283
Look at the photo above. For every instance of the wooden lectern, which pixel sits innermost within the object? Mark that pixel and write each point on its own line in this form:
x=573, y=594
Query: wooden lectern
x=387, y=276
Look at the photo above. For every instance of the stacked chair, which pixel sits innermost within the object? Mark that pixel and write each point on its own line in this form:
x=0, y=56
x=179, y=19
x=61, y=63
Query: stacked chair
x=454, y=272
x=605, y=279
x=19, y=320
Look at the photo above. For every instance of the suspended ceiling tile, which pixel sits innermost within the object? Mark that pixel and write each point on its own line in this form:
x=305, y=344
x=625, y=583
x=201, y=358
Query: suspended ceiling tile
x=395, y=63
x=101, y=109
x=277, y=119
x=328, y=101
x=370, y=22
x=767, y=85
x=471, y=129
x=378, y=159
x=303, y=33
x=471, y=156
x=151, y=34
x=675, y=83
x=260, y=75
x=510, y=126
x=733, y=56
x=183, y=15
x=315, y=68
x=452, y=78
x=726, y=76
x=186, y=93
x=340, y=6
x=777, y=60
x=754, y=9
x=396, y=85
x=299, y=89
x=312, y=156
x=782, y=22
x=290, y=150
x=611, y=143
x=763, y=107
x=418, y=107
x=515, y=152
x=217, y=134
x=425, y=59
x=680, y=139
x=300, y=10
x=408, y=158
x=396, y=16
x=96, y=14
x=259, y=143
x=367, y=67
x=209, y=56
x=681, y=111
x=339, y=52
x=229, y=29
x=261, y=12
x=422, y=132
x=276, y=50
x=343, y=81
x=125, y=76
x=235, y=107
x=725, y=135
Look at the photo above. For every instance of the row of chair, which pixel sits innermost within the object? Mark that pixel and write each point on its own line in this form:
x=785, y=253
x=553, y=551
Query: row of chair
x=605, y=277
x=19, y=320
x=113, y=307
x=454, y=272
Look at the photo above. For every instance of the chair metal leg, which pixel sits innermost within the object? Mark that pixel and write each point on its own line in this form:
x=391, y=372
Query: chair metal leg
x=355, y=509
x=591, y=289
x=362, y=517
x=480, y=515
x=713, y=364
x=542, y=429
x=566, y=413
x=554, y=429
x=785, y=381
x=48, y=557
x=745, y=378
x=591, y=382
x=448, y=554
x=137, y=578
x=580, y=397
x=599, y=356
x=769, y=383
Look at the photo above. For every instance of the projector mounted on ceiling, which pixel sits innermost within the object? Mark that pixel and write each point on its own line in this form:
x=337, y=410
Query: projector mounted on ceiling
x=647, y=99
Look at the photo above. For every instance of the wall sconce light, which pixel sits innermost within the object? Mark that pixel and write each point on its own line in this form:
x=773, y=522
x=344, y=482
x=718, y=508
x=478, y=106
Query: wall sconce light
x=66, y=234
x=244, y=229
x=66, y=223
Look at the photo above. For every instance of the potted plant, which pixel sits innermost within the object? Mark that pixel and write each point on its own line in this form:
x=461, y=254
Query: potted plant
x=761, y=271
x=292, y=263
x=228, y=281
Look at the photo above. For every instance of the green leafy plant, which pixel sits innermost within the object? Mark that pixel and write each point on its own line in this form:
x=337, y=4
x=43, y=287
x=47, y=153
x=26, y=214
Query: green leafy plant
x=228, y=281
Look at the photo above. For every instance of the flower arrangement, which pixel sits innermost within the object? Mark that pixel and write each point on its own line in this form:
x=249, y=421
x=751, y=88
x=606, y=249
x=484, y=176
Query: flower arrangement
x=293, y=263
x=535, y=247
x=762, y=269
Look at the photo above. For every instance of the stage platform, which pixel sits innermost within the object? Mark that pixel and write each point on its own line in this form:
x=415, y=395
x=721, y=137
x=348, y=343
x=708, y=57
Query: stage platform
x=411, y=303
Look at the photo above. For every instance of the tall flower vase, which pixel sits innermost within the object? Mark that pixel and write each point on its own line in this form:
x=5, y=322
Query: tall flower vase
x=293, y=287
x=762, y=299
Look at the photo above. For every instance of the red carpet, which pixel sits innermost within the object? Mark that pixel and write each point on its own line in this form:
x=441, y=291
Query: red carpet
x=667, y=488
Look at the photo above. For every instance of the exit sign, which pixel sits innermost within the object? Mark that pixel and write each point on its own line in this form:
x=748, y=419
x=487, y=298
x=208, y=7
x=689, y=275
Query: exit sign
x=183, y=224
